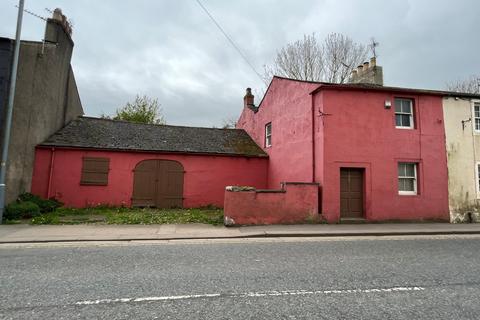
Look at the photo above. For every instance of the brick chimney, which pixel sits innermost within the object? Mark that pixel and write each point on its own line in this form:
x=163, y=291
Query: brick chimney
x=58, y=28
x=248, y=100
x=368, y=72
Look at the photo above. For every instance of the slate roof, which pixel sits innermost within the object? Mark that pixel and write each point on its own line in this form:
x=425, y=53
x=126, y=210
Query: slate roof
x=105, y=134
x=377, y=87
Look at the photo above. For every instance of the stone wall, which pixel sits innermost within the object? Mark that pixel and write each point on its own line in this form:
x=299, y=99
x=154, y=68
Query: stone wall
x=294, y=203
x=46, y=98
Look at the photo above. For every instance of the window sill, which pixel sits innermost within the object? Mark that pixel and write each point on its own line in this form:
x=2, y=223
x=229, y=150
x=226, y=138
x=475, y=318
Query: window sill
x=93, y=184
x=407, y=193
x=405, y=128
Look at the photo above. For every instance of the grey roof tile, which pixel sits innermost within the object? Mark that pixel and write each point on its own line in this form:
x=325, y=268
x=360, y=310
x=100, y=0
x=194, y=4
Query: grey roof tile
x=97, y=133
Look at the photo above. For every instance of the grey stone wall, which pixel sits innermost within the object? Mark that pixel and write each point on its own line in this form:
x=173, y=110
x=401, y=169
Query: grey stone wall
x=46, y=99
x=6, y=57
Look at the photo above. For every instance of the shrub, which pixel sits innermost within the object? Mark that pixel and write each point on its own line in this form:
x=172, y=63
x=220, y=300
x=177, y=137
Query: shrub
x=45, y=205
x=21, y=209
x=48, y=218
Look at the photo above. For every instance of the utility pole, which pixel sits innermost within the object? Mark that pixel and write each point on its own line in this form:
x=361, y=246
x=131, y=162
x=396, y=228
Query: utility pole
x=8, y=119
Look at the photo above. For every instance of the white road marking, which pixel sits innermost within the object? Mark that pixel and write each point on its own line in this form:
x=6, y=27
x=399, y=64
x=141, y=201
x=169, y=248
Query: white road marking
x=250, y=294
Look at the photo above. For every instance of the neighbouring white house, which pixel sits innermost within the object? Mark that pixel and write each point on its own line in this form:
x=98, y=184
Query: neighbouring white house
x=462, y=131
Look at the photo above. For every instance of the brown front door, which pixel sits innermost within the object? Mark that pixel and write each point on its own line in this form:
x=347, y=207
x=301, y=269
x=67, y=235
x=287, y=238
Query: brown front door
x=351, y=193
x=158, y=183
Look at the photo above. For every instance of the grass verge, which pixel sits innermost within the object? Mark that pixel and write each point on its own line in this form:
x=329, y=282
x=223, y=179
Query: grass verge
x=108, y=215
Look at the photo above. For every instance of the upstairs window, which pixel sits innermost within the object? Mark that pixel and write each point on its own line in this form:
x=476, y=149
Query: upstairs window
x=268, y=134
x=95, y=171
x=407, y=178
x=404, y=113
x=476, y=115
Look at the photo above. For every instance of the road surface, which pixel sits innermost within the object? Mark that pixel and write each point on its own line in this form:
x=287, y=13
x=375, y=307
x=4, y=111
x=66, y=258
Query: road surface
x=343, y=278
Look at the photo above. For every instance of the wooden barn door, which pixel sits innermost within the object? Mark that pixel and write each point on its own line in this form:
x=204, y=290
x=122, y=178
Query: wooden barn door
x=351, y=193
x=158, y=183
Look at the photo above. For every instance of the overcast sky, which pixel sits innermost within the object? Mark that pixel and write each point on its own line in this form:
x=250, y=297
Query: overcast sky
x=171, y=50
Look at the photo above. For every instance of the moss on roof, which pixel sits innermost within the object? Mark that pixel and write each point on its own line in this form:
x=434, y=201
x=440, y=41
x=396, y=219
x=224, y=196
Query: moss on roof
x=97, y=133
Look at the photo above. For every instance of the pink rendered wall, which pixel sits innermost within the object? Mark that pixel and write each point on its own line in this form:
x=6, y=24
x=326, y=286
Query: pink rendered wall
x=287, y=105
x=297, y=203
x=360, y=132
x=319, y=140
x=204, y=180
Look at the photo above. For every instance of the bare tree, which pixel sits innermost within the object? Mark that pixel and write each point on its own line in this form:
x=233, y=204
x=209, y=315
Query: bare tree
x=229, y=123
x=340, y=56
x=470, y=85
x=331, y=60
x=300, y=60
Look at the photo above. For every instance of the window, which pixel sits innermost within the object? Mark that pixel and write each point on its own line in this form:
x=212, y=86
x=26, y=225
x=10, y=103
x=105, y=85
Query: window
x=268, y=134
x=407, y=178
x=476, y=115
x=95, y=171
x=404, y=113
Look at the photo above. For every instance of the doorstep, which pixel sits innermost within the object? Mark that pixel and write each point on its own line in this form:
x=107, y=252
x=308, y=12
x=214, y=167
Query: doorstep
x=353, y=220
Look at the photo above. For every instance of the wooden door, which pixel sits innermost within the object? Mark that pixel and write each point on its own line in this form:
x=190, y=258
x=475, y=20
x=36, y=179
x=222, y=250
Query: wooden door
x=170, y=184
x=351, y=193
x=158, y=183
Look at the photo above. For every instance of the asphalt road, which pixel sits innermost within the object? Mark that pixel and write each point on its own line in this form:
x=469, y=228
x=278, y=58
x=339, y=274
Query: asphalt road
x=299, y=279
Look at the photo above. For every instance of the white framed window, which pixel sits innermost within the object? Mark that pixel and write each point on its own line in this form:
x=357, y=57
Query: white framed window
x=476, y=116
x=407, y=178
x=404, y=113
x=268, y=134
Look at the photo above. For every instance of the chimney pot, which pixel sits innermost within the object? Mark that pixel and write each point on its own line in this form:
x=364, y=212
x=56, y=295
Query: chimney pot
x=248, y=99
x=57, y=14
x=368, y=72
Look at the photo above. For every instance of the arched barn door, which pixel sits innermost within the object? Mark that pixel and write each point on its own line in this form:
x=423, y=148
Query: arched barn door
x=158, y=183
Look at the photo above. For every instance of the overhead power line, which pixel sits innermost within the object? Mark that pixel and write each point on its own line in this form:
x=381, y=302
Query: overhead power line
x=33, y=14
x=230, y=40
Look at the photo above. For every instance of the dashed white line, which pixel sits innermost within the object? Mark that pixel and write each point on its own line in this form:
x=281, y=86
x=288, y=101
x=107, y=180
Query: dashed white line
x=250, y=294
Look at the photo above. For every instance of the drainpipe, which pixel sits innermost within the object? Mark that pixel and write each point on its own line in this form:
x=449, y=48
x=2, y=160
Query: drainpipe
x=50, y=173
x=8, y=119
x=475, y=168
x=313, y=138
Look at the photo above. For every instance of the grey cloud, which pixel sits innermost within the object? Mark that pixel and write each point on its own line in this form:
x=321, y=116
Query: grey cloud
x=172, y=51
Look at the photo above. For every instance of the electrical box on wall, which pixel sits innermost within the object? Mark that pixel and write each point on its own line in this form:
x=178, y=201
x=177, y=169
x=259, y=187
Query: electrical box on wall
x=388, y=104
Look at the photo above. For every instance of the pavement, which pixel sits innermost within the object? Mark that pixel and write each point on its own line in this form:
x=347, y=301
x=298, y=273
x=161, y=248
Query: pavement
x=59, y=233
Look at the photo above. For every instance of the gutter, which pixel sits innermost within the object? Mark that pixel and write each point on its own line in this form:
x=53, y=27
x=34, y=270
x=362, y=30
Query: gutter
x=80, y=148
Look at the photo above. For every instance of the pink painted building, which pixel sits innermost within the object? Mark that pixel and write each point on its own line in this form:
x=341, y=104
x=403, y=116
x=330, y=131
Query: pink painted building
x=357, y=151
x=377, y=153
x=94, y=162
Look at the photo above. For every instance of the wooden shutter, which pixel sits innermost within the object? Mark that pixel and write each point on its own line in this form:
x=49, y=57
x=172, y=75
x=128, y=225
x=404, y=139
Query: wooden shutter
x=95, y=171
